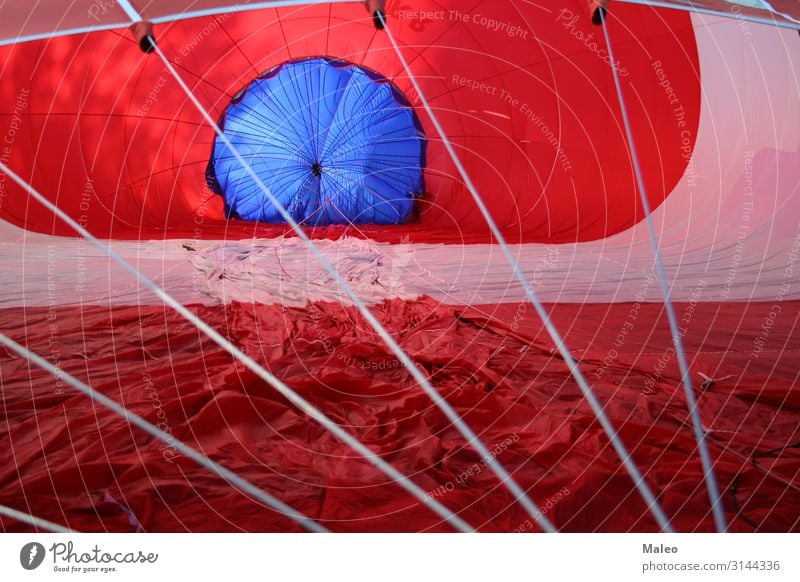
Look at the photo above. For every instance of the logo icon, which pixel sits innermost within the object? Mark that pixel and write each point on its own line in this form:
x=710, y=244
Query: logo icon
x=31, y=555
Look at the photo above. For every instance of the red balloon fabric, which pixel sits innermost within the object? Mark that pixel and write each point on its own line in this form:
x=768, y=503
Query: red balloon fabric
x=82, y=466
x=526, y=95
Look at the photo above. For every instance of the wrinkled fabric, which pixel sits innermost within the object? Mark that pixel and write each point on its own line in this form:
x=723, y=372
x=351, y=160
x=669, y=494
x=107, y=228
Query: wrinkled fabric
x=69, y=461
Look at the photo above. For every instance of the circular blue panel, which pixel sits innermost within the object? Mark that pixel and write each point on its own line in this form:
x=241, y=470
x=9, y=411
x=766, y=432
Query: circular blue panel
x=333, y=142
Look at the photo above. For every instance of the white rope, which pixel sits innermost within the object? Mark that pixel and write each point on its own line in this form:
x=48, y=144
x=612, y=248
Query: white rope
x=619, y=447
x=251, y=364
x=136, y=420
x=472, y=438
x=36, y=522
x=691, y=399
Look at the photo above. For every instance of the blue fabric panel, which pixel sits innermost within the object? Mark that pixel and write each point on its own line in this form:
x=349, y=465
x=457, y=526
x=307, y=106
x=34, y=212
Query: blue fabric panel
x=334, y=143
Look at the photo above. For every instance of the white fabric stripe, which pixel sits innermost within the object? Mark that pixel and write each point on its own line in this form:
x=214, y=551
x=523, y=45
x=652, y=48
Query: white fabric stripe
x=36, y=522
x=453, y=275
x=707, y=255
x=232, y=478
